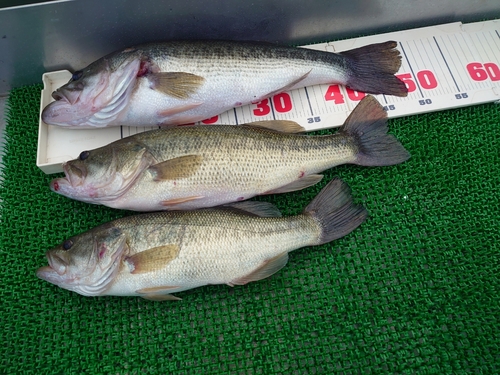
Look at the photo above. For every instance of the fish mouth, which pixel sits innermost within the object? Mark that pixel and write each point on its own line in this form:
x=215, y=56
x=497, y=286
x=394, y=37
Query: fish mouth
x=58, y=96
x=63, y=113
x=73, y=184
x=74, y=174
x=47, y=273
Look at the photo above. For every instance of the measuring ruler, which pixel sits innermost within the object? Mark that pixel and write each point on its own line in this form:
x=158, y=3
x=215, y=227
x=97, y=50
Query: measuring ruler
x=446, y=66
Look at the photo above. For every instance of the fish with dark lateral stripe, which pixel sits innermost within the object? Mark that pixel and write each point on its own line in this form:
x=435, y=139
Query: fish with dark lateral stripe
x=182, y=168
x=182, y=82
x=154, y=255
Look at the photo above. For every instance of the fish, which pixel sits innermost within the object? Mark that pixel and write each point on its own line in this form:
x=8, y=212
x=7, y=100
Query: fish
x=190, y=167
x=153, y=255
x=180, y=82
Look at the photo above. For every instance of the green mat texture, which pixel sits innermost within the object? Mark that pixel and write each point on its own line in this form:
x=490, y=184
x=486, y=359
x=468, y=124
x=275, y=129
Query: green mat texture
x=414, y=290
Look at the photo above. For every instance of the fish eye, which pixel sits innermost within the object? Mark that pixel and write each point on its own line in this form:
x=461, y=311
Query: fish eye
x=77, y=75
x=84, y=155
x=67, y=244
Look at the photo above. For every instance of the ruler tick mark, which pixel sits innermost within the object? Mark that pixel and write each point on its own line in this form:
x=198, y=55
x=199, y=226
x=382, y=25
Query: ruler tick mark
x=235, y=116
x=272, y=107
x=309, y=101
x=446, y=63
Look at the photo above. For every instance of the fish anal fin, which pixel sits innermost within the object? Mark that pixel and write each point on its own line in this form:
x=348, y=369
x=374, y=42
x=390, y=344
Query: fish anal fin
x=289, y=86
x=283, y=126
x=299, y=184
x=261, y=209
x=153, y=259
x=172, y=169
x=178, y=85
x=173, y=202
x=268, y=268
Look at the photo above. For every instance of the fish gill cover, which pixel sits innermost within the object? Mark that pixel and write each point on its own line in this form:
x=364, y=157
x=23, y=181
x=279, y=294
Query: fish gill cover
x=414, y=290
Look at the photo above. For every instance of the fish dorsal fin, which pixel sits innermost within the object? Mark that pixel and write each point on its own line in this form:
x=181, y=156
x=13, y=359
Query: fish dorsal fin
x=268, y=268
x=300, y=184
x=261, y=209
x=152, y=259
x=282, y=126
x=181, y=167
x=179, y=85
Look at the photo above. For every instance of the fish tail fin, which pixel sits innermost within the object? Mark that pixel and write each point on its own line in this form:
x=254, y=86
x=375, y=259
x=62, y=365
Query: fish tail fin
x=372, y=69
x=367, y=127
x=335, y=211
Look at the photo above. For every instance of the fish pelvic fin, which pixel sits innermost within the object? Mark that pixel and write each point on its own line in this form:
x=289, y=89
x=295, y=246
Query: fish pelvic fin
x=335, y=211
x=161, y=297
x=171, y=203
x=367, y=126
x=179, y=85
x=268, y=268
x=158, y=293
x=372, y=69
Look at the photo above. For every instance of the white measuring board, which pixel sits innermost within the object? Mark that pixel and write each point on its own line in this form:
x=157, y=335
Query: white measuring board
x=446, y=66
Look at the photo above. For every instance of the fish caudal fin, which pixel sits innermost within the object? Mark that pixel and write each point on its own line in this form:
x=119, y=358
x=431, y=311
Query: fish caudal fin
x=372, y=69
x=335, y=211
x=367, y=126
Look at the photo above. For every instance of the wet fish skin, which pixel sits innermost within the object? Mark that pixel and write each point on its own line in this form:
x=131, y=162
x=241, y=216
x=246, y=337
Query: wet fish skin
x=181, y=82
x=193, y=167
x=154, y=255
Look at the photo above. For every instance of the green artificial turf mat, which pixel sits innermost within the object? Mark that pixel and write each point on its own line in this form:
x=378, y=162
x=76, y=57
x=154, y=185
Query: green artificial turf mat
x=414, y=290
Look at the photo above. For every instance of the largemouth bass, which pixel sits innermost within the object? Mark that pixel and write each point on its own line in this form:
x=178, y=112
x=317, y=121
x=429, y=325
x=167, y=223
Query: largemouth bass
x=183, y=168
x=154, y=255
x=182, y=82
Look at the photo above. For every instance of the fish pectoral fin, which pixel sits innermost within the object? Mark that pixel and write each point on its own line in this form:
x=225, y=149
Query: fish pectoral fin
x=152, y=259
x=255, y=208
x=173, y=202
x=283, y=126
x=179, y=85
x=172, y=169
x=300, y=184
x=268, y=268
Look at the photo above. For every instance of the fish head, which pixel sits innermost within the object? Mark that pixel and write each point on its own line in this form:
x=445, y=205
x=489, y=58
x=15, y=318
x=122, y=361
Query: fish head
x=87, y=263
x=105, y=174
x=95, y=95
